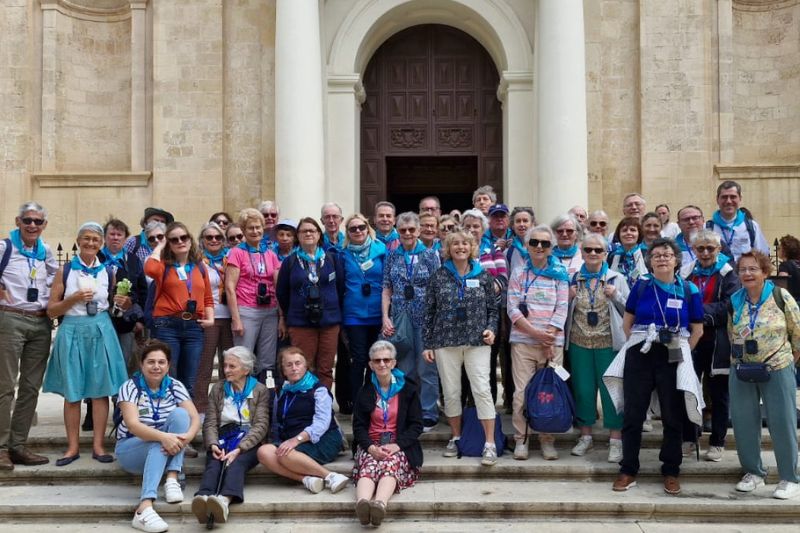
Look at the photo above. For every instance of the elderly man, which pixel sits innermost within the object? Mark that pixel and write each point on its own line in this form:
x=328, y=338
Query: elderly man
x=137, y=244
x=384, y=225
x=271, y=213
x=430, y=205
x=580, y=215
x=690, y=221
x=483, y=198
x=27, y=268
x=634, y=205
x=735, y=226
x=331, y=218
x=499, y=234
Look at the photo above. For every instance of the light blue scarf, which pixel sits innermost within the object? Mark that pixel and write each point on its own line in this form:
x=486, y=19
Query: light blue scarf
x=307, y=382
x=698, y=270
x=722, y=223
x=554, y=269
x=739, y=299
x=569, y=253
x=398, y=380
x=38, y=253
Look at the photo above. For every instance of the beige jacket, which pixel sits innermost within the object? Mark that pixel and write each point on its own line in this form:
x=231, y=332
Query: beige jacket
x=259, y=422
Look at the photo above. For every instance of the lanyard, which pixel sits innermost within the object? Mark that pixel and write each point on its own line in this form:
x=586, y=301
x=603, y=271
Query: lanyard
x=153, y=407
x=311, y=267
x=753, y=310
x=728, y=240
x=286, y=406
x=262, y=263
x=385, y=408
x=410, y=264
x=702, y=284
x=661, y=309
x=32, y=267
x=592, y=292
x=528, y=284
x=188, y=269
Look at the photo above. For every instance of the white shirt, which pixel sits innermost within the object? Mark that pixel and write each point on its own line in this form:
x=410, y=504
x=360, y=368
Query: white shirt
x=17, y=279
x=77, y=279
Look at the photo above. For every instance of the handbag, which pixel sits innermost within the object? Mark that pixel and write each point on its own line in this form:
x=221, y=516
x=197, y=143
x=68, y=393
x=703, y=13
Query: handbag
x=752, y=372
x=403, y=337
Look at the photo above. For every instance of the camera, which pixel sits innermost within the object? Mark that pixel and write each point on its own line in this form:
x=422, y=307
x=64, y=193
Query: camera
x=32, y=294
x=262, y=298
x=91, y=308
x=191, y=306
x=313, y=305
x=366, y=289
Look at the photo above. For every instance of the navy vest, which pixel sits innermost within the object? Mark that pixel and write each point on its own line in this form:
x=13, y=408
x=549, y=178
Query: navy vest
x=299, y=412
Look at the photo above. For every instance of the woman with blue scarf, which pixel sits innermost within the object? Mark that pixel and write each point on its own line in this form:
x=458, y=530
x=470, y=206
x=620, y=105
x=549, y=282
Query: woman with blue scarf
x=717, y=281
x=387, y=424
x=568, y=233
x=459, y=329
x=762, y=333
x=86, y=361
x=305, y=435
x=593, y=335
x=236, y=423
x=627, y=256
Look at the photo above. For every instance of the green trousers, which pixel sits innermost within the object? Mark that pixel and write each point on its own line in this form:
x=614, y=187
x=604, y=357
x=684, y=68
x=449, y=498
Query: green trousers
x=587, y=367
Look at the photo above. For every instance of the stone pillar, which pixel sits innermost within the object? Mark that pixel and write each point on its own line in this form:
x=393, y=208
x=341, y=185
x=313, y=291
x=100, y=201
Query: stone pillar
x=561, y=98
x=299, y=141
x=519, y=182
x=138, y=85
x=49, y=78
x=345, y=96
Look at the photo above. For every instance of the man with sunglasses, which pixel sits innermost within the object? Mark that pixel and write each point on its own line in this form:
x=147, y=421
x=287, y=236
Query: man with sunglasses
x=271, y=213
x=140, y=245
x=27, y=268
x=598, y=223
x=691, y=221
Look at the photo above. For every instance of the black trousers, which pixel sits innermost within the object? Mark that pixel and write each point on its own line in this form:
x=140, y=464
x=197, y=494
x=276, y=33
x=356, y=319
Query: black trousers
x=343, y=391
x=718, y=394
x=643, y=374
x=233, y=484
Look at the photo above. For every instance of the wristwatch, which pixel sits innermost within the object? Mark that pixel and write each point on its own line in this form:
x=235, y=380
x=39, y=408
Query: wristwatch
x=299, y=438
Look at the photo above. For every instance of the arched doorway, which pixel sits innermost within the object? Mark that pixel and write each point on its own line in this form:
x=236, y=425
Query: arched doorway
x=431, y=122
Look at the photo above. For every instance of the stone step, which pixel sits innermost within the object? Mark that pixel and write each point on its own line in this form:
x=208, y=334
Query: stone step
x=428, y=500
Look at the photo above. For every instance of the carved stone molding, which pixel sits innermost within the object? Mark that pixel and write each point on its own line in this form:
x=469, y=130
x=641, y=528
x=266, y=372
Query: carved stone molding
x=745, y=172
x=763, y=5
x=95, y=10
x=455, y=137
x=92, y=179
x=407, y=138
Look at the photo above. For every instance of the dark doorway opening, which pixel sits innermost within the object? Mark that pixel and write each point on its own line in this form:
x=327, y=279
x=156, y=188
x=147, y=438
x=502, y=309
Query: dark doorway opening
x=451, y=178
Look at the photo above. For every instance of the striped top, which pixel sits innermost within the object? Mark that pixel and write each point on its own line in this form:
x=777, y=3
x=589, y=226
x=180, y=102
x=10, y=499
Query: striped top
x=547, y=302
x=147, y=408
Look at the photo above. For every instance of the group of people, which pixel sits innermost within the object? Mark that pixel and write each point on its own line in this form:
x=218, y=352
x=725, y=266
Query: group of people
x=387, y=319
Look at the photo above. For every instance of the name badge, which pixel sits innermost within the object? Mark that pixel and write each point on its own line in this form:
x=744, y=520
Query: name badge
x=33, y=273
x=261, y=268
x=181, y=274
x=473, y=283
x=674, y=303
x=561, y=372
x=331, y=277
x=144, y=411
x=745, y=332
x=366, y=265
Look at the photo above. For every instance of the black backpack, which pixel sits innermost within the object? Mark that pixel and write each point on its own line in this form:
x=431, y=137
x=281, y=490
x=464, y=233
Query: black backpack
x=748, y=223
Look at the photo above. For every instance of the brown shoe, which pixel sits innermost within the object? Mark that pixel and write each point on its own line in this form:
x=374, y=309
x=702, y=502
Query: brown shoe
x=623, y=483
x=5, y=461
x=23, y=456
x=672, y=485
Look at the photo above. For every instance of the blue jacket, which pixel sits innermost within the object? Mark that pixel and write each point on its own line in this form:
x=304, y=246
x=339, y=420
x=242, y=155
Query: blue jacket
x=293, y=287
x=360, y=310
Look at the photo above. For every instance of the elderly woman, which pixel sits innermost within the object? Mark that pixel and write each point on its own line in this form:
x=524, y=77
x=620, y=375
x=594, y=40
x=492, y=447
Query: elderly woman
x=86, y=361
x=537, y=306
x=663, y=321
x=447, y=224
x=717, y=281
x=250, y=280
x=236, y=423
x=310, y=289
x=405, y=279
x=387, y=423
x=522, y=219
x=627, y=257
x=234, y=234
x=285, y=239
x=305, y=434
x=141, y=245
x=184, y=302
x=429, y=231
x=593, y=335
x=762, y=331
x=459, y=328
x=216, y=338
x=158, y=422
x=789, y=254
x=221, y=219
x=568, y=233
x=363, y=257
x=651, y=228
x=153, y=234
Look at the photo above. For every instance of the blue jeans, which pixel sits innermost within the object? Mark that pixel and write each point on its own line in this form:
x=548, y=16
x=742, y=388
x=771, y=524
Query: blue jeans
x=426, y=373
x=360, y=339
x=145, y=457
x=185, y=340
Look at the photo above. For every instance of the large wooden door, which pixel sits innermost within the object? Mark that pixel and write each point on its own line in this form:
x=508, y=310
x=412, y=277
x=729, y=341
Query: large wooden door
x=431, y=93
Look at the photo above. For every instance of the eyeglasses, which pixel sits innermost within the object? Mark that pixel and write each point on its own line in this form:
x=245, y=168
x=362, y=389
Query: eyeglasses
x=749, y=270
x=590, y=250
x=222, y=222
x=428, y=226
x=691, y=218
x=307, y=231
x=270, y=215
x=448, y=227
x=179, y=238
x=705, y=249
x=27, y=221
x=598, y=223
x=236, y=237
x=565, y=231
x=357, y=229
x=155, y=238
x=211, y=238
x=662, y=257
x=406, y=230
x=382, y=360
x=533, y=243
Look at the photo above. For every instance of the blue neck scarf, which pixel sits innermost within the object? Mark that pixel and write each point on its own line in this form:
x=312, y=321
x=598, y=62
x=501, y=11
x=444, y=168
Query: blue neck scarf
x=386, y=239
x=398, y=380
x=419, y=248
x=569, y=253
x=143, y=242
x=306, y=383
x=214, y=259
x=339, y=240
x=92, y=271
x=263, y=246
x=474, y=271
x=739, y=300
x=318, y=253
x=681, y=242
x=113, y=259
x=38, y=252
x=360, y=251
x=239, y=397
x=585, y=274
x=698, y=270
x=166, y=383
x=722, y=223
x=277, y=249
x=520, y=246
x=676, y=287
x=489, y=237
x=554, y=269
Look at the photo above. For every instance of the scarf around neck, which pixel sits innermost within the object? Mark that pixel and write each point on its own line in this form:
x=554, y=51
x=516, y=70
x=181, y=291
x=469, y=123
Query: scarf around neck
x=306, y=383
x=398, y=381
x=569, y=253
x=386, y=239
x=698, y=270
x=38, y=253
x=361, y=251
x=166, y=383
x=473, y=272
x=739, y=300
x=585, y=274
x=722, y=223
x=239, y=397
x=554, y=269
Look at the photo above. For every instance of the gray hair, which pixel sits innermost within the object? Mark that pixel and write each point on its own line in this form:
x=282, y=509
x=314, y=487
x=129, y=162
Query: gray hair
x=207, y=226
x=32, y=206
x=475, y=213
x=488, y=190
x=154, y=225
x=409, y=217
x=384, y=203
x=245, y=357
x=327, y=205
x=707, y=235
x=541, y=228
x=266, y=204
x=597, y=238
x=599, y=213
x=382, y=346
x=91, y=226
x=560, y=220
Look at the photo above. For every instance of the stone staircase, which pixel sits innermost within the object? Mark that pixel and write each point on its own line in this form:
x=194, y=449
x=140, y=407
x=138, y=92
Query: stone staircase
x=460, y=490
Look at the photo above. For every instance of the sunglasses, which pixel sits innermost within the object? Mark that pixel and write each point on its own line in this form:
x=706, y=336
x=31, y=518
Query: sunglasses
x=598, y=223
x=406, y=230
x=565, y=231
x=357, y=229
x=179, y=238
x=705, y=249
x=590, y=250
x=211, y=238
x=270, y=215
x=155, y=238
x=222, y=222
x=533, y=243
x=448, y=227
x=382, y=360
x=28, y=221
x=236, y=236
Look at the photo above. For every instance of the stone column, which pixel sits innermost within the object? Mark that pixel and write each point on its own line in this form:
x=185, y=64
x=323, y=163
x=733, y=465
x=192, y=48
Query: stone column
x=138, y=85
x=299, y=144
x=345, y=96
x=561, y=98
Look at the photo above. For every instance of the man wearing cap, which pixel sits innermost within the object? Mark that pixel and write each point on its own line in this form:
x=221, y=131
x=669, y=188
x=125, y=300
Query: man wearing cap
x=498, y=235
x=384, y=225
x=27, y=268
x=137, y=244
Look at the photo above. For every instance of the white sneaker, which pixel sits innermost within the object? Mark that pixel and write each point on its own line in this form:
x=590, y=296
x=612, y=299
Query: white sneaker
x=521, y=451
x=489, y=456
x=647, y=426
x=786, y=490
x=148, y=520
x=200, y=508
x=314, y=484
x=172, y=491
x=585, y=443
x=715, y=453
x=688, y=449
x=336, y=482
x=549, y=452
x=451, y=450
x=218, y=506
x=749, y=483
x=614, y=450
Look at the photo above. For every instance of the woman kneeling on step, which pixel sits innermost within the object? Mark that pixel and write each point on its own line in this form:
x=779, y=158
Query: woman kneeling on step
x=305, y=434
x=387, y=423
x=158, y=421
x=236, y=423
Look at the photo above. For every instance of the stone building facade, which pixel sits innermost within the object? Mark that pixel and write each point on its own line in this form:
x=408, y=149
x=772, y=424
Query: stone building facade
x=203, y=105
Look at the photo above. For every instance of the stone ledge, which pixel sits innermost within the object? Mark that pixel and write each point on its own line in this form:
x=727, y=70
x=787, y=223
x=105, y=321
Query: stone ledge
x=92, y=179
x=744, y=172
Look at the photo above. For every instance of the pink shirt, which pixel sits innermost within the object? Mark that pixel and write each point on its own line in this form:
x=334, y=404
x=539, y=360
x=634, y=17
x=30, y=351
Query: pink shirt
x=376, y=421
x=254, y=269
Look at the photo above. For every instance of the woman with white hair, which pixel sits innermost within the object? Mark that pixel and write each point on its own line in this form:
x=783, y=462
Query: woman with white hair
x=568, y=233
x=237, y=420
x=87, y=360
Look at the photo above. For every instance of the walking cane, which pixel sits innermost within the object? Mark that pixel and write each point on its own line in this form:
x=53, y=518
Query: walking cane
x=210, y=517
